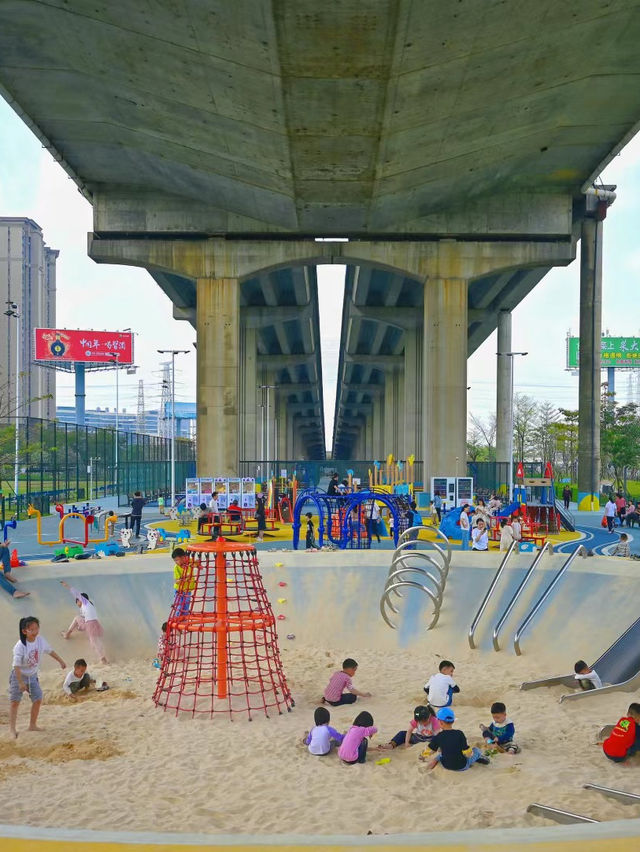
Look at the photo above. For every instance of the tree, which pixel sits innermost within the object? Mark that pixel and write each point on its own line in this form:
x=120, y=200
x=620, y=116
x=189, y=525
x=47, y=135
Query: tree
x=543, y=433
x=483, y=433
x=525, y=410
x=619, y=437
x=565, y=432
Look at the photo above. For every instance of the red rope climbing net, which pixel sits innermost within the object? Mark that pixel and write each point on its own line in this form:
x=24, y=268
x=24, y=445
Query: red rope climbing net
x=221, y=647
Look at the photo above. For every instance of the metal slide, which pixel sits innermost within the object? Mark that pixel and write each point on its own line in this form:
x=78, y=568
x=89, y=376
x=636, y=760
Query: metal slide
x=496, y=630
x=563, y=817
x=566, y=517
x=474, y=624
x=618, y=667
x=620, y=795
x=543, y=597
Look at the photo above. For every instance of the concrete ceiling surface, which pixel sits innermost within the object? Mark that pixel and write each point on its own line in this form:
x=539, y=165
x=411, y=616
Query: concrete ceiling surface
x=353, y=116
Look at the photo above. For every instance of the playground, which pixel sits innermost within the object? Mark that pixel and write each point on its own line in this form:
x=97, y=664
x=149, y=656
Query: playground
x=129, y=743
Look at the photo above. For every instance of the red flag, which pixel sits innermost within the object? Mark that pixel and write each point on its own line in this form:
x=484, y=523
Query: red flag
x=548, y=471
x=520, y=471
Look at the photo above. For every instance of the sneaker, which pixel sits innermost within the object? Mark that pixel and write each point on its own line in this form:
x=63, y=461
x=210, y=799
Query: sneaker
x=483, y=760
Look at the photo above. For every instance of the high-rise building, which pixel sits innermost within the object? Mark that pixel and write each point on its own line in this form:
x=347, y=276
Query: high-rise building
x=27, y=280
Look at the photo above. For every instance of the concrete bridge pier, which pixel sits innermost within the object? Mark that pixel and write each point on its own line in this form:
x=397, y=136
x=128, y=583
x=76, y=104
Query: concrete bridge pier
x=504, y=389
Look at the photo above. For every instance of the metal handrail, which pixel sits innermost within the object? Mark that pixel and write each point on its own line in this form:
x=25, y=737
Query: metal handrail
x=407, y=548
x=620, y=795
x=496, y=630
x=399, y=576
x=385, y=600
x=581, y=549
x=401, y=558
x=558, y=815
x=474, y=624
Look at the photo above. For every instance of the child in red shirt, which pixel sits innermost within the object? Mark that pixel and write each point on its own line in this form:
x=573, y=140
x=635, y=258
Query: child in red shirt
x=624, y=740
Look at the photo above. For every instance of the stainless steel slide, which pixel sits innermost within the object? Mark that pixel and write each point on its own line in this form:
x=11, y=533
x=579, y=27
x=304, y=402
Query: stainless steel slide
x=618, y=667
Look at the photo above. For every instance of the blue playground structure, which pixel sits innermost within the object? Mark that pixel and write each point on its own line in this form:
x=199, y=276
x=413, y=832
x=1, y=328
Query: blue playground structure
x=342, y=519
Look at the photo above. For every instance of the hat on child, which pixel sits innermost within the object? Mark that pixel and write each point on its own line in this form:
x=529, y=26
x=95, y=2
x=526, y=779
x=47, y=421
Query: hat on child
x=446, y=714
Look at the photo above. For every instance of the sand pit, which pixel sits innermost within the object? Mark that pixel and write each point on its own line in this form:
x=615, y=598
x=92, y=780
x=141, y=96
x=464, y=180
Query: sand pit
x=113, y=760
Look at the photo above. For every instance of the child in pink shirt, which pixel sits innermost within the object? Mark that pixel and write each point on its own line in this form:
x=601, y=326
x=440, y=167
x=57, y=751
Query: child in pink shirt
x=354, y=745
x=335, y=694
x=421, y=728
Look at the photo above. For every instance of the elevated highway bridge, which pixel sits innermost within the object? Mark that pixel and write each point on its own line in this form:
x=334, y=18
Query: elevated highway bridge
x=451, y=143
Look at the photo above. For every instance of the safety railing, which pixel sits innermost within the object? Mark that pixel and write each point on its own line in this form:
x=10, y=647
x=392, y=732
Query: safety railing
x=503, y=564
x=420, y=565
x=496, y=630
x=581, y=549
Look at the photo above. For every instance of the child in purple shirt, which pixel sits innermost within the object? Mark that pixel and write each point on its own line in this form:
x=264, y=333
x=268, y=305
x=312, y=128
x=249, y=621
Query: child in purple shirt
x=335, y=694
x=355, y=742
x=322, y=737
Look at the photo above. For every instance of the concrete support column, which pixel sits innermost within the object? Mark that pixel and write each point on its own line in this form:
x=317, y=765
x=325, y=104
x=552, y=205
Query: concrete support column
x=281, y=422
x=378, y=428
x=444, y=393
x=504, y=403
x=218, y=328
x=249, y=420
x=391, y=413
x=412, y=440
x=368, y=432
x=589, y=381
x=290, y=437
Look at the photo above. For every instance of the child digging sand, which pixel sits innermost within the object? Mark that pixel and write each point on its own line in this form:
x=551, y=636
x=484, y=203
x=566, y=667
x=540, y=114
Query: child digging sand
x=624, y=740
x=78, y=680
x=27, y=656
x=501, y=731
x=335, y=694
x=420, y=729
x=354, y=745
x=322, y=737
x=454, y=749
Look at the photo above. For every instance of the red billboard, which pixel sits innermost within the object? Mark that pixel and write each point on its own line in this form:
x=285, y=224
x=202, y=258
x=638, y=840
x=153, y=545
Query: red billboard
x=102, y=347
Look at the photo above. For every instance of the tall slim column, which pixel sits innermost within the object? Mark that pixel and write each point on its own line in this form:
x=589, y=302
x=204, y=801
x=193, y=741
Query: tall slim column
x=412, y=382
x=504, y=402
x=81, y=395
x=249, y=421
x=444, y=397
x=589, y=381
x=378, y=428
x=218, y=328
x=390, y=437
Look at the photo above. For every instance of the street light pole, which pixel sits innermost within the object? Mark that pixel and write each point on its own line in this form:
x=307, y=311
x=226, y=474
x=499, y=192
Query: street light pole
x=173, y=353
x=511, y=371
x=12, y=311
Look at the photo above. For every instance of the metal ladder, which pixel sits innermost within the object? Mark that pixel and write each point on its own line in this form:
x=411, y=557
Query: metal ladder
x=430, y=577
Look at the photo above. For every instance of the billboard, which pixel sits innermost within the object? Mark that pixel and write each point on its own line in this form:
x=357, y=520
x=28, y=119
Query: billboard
x=614, y=352
x=61, y=344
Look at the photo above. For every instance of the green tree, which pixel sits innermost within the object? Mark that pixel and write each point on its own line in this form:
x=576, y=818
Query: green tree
x=619, y=438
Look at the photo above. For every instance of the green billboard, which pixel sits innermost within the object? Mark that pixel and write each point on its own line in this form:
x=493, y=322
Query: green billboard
x=614, y=351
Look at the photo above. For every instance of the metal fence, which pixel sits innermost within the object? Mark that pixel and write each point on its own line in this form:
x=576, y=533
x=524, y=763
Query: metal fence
x=68, y=463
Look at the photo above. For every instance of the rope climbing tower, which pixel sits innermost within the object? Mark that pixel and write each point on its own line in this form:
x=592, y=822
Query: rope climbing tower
x=221, y=647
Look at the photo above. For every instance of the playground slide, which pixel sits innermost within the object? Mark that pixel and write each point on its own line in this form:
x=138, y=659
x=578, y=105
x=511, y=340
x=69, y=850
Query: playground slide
x=566, y=518
x=618, y=667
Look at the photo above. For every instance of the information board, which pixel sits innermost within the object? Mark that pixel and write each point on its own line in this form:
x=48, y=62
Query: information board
x=620, y=352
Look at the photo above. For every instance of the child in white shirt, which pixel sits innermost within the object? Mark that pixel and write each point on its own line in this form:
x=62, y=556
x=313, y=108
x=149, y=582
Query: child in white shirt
x=78, y=679
x=27, y=656
x=440, y=687
x=587, y=677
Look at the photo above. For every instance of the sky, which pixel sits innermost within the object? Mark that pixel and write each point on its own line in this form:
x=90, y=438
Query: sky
x=97, y=296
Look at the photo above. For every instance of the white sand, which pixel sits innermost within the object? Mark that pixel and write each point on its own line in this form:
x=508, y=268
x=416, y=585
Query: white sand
x=114, y=761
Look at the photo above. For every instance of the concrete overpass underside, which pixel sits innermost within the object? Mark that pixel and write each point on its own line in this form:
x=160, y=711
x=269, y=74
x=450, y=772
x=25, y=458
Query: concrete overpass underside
x=452, y=143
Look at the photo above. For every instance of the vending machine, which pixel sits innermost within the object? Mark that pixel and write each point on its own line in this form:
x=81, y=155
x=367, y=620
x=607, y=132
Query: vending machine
x=454, y=491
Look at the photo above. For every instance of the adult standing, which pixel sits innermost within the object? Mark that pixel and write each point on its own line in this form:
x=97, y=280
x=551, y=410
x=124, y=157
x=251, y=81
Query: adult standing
x=137, y=504
x=333, y=488
x=610, y=513
x=261, y=518
x=567, y=494
x=373, y=521
x=437, y=503
x=621, y=508
x=213, y=503
x=465, y=526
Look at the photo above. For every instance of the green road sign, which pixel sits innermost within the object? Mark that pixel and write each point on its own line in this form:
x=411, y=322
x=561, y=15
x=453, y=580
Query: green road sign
x=615, y=352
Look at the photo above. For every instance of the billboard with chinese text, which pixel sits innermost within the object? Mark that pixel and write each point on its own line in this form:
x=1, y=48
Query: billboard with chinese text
x=614, y=351
x=61, y=344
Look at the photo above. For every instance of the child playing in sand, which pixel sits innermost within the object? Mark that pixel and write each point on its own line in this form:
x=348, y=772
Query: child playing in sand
x=335, y=694
x=624, y=740
x=310, y=540
x=355, y=743
x=27, y=655
x=440, y=687
x=322, y=737
x=78, y=679
x=501, y=731
x=454, y=749
x=88, y=621
x=587, y=677
x=420, y=729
